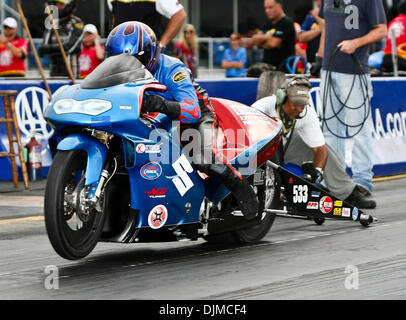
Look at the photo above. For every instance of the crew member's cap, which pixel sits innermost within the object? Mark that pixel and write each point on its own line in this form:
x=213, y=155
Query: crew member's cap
x=90, y=28
x=10, y=22
x=298, y=90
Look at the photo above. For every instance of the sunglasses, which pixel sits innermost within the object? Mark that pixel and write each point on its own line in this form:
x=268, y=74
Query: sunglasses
x=188, y=31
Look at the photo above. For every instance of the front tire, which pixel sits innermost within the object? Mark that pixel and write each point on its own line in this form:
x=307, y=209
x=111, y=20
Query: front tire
x=73, y=230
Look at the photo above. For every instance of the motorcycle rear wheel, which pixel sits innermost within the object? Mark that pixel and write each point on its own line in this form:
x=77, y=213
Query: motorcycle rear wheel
x=268, y=198
x=72, y=232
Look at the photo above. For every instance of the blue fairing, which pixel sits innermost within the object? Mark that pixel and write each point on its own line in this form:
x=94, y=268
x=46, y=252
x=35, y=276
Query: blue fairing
x=96, y=154
x=124, y=113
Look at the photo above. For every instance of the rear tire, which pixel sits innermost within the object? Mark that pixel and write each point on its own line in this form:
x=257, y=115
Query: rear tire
x=269, y=198
x=72, y=233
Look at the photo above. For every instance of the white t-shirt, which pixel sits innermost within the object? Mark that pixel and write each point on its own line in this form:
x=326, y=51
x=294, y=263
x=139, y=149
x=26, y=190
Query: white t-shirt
x=307, y=127
x=168, y=7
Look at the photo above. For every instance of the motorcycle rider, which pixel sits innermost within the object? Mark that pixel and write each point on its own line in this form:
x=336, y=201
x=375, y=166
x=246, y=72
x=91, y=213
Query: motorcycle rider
x=303, y=140
x=184, y=101
x=70, y=30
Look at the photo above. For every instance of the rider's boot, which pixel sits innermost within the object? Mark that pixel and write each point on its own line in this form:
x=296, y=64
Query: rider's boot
x=240, y=188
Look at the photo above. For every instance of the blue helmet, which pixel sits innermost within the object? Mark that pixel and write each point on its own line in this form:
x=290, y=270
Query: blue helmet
x=137, y=39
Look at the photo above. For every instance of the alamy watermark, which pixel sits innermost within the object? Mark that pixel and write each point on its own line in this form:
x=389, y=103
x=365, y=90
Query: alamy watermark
x=52, y=20
x=51, y=281
x=352, y=21
x=352, y=280
x=207, y=146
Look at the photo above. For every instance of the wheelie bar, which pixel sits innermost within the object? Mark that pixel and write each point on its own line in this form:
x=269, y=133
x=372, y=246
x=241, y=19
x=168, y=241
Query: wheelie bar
x=305, y=199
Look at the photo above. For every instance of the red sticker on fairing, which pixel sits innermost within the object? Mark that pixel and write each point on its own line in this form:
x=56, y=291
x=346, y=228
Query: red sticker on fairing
x=157, y=216
x=140, y=148
x=157, y=193
x=326, y=204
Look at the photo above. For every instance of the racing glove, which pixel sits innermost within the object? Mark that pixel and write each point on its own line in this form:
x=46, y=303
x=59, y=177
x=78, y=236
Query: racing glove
x=316, y=66
x=311, y=173
x=155, y=103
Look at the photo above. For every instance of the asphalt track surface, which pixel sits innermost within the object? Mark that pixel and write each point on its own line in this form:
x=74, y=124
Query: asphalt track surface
x=297, y=260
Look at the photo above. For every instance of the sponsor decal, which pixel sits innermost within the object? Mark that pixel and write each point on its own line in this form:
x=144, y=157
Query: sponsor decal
x=151, y=171
x=243, y=110
x=179, y=76
x=346, y=213
x=30, y=105
x=312, y=205
x=290, y=180
x=157, y=216
x=355, y=213
x=337, y=212
x=125, y=107
x=153, y=148
x=338, y=203
x=79, y=25
x=182, y=181
x=140, y=148
x=148, y=148
x=315, y=194
x=326, y=204
x=156, y=193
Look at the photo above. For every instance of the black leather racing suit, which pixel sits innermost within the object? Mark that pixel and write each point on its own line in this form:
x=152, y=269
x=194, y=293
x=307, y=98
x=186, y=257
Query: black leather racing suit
x=71, y=33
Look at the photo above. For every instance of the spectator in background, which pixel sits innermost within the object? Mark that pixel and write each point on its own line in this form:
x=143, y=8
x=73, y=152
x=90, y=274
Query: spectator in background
x=92, y=53
x=13, y=50
x=311, y=32
x=398, y=26
x=300, y=48
x=278, y=37
x=152, y=13
x=235, y=58
x=186, y=48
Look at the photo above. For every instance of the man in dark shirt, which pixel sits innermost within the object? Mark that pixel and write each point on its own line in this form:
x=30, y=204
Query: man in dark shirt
x=349, y=27
x=278, y=37
x=154, y=13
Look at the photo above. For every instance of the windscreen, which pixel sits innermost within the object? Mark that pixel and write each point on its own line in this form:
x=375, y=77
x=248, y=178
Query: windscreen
x=116, y=70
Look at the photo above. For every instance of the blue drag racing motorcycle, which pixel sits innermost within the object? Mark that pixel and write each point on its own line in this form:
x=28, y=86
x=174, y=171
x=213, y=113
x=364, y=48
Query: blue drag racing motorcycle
x=120, y=176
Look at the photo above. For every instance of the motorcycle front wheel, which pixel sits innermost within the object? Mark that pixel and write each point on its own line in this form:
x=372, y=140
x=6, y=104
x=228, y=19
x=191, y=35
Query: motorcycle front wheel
x=73, y=228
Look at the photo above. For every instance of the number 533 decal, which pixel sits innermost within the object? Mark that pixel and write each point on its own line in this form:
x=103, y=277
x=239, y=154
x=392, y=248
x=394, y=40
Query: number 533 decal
x=300, y=194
